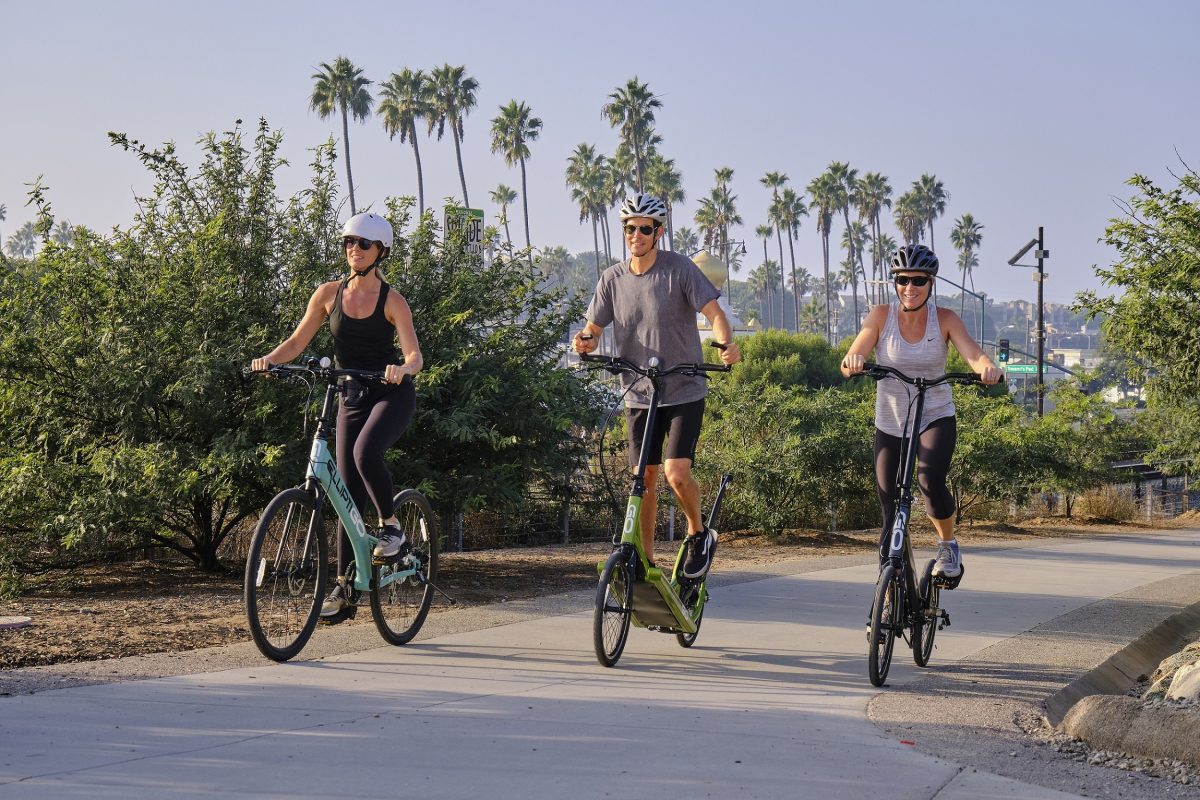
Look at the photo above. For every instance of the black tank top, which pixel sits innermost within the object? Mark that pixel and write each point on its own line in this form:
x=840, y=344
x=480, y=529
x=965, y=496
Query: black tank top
x=367, y=343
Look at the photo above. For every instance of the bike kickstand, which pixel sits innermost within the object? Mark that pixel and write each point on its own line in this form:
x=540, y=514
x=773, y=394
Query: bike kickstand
x=437, y=589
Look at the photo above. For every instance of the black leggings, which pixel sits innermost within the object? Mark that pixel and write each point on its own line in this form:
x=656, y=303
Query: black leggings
x=935, y=447
x=370, y=419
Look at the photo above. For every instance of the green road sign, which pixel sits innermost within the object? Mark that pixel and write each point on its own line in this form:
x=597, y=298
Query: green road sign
x=472, y=220
x=1023, y=369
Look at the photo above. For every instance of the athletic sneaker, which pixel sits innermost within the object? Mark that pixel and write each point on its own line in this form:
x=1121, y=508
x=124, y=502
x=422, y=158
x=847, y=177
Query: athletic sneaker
x=335, y=603
x=949, y=562
x=392, y=542
x=698, y=558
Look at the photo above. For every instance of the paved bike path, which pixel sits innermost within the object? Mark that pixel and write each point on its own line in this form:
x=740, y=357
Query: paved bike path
x=771, y=702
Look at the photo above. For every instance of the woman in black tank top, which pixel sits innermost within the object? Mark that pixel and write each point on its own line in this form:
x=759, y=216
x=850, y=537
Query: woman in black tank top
x=367, y=318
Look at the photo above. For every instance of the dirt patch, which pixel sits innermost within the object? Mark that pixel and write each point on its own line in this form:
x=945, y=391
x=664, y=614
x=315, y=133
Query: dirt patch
x=141, y=608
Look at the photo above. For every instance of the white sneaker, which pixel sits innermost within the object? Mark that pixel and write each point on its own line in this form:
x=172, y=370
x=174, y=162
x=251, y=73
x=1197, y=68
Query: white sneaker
x=391, y=543
x=949, y=563
x=335, y=603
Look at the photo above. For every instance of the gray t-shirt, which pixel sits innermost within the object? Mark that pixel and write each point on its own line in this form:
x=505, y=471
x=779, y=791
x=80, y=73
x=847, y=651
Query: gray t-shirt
x=654, y=314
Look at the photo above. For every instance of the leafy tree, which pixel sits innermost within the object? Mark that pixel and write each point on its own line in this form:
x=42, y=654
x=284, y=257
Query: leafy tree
x=788, y=359
x=512, y=131
x=1154, y=316
x=996, y=456
x=406, y=98
x=453, y=98
x=342, y=87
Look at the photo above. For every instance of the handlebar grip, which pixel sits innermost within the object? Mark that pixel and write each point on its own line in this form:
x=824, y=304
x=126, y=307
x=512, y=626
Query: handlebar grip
x=718, y=345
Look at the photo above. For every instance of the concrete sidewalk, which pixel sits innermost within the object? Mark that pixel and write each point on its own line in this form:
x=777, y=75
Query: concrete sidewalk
x=771, y=701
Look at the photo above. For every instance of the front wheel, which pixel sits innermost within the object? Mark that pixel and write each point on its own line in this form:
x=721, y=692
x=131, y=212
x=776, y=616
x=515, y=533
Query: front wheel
x=285, y=574
x=926, y=627
x=884, y=614
x=400, y=607
x=614, y=608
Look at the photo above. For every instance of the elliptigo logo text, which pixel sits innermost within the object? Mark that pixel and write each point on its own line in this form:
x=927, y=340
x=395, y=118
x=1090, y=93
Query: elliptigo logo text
x=630, y=519
x=335, y=481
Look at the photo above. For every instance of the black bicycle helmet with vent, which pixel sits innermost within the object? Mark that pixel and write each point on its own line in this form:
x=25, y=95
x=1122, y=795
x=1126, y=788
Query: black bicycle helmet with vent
x=914, y=258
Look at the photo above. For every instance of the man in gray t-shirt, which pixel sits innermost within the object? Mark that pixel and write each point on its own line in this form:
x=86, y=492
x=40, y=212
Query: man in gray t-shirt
x=651, y=300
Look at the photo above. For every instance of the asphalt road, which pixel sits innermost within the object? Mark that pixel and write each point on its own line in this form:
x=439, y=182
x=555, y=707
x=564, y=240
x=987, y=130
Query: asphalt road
x=772, y=702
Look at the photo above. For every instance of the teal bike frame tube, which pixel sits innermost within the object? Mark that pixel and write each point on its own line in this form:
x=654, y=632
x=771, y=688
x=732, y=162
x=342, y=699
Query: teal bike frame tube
x=321, y=467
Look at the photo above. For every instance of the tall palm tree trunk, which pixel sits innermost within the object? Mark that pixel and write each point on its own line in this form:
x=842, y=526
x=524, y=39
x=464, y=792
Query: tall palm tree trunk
x=795, y=282
x=420, y=176
x=346, y=144
x=525, y=210
x=671, y=229
x=462, y=178
x=766, y=288
x=779, y=241
x=596, y=244
x=825, y=257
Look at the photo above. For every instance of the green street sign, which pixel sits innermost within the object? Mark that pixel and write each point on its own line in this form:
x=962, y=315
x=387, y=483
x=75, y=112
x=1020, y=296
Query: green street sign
x=1023, y=369
x=472, y=220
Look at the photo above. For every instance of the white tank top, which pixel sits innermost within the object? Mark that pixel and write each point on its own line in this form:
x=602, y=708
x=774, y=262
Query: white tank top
x=925, y=359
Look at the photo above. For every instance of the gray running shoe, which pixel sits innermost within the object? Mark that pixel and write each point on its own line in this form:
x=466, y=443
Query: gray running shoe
x=335, y=603
x=948, y=564
x=392, y=542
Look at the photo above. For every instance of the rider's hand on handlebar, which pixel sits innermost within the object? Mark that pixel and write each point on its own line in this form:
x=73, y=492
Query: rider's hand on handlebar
x=731, y=354
x=584, y=342
x=991, y=374
x=260, y=365
x=393, y=373
x=853, y=363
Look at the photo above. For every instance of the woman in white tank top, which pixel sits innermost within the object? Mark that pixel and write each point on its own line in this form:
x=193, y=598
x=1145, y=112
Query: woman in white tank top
x=913, y=336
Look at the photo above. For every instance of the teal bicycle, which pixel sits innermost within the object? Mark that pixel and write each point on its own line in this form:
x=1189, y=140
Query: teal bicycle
x=630, y=590
x=287, y=564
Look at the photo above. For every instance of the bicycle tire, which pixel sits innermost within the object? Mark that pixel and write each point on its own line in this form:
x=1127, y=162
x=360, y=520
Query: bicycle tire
x=285, y=574
x=614, y=608
x=689, y=639
x=884, y=613
x=926, y=627
x=400, y=607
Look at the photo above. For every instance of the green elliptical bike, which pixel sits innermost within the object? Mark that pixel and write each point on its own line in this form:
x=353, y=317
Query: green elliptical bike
x=630, y=589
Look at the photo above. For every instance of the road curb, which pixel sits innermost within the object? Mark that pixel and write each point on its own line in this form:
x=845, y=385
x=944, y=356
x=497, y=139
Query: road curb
x=1127, y=666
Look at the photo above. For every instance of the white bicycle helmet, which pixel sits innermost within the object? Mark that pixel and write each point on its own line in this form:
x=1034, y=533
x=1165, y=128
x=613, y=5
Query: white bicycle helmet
x=369, y=226
x=915, y=258
x=644, y=205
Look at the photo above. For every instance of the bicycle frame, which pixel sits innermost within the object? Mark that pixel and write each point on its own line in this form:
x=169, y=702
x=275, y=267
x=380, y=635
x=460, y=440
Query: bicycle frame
x=324, y=480
x=900, y=552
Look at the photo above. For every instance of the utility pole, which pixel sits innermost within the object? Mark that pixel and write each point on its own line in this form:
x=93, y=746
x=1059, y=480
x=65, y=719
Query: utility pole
x=1042, y=254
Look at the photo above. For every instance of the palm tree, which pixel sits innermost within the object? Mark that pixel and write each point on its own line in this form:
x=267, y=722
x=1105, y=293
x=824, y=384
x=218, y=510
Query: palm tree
x=909, y=217
x=453, y=98
x=3, y=217
x=824, y=191
x=512, y=131
x=718, y=213
x=407, y=98
x=775, y=181
x=63, y=233
x=765, y=232
x=966, y=236
x=587, y=177
x=503, y=196
x=931, y=200
x=342, y=87
x=665, y=181
x=620, y=178
x=791, y=208
x=23, y=242
x=631, y=108
x=686, y=241
x=847, y=181
x=881, y=250
x=874, y=194
x=854, y=241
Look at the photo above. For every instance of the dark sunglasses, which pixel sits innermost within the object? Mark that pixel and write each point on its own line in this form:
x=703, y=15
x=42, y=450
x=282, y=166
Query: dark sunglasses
x=905, y=280
x=644, y=230
x=363, y=244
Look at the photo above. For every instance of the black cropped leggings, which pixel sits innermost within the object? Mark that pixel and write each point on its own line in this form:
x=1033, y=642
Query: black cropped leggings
x=934, y=450
x=370, y=419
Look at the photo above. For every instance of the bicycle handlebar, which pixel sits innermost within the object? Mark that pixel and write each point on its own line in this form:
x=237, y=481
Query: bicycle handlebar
x=879, y=372
x=617, y=365
x=319, y=367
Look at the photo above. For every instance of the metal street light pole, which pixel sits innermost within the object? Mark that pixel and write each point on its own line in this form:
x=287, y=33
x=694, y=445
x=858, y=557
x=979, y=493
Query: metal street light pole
x=1041, y=253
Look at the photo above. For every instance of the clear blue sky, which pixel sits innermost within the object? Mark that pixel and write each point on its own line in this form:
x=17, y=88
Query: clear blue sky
x=1031, y=113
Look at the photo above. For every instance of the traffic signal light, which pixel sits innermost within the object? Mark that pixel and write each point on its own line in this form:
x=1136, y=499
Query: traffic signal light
x=1003, y=351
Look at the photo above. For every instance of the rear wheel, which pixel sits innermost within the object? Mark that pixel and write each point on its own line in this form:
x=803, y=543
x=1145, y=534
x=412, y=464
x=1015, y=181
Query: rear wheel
x=285, y=574
x=926, y=624
x=884, y=614
x=401, y=606
x=614, y=608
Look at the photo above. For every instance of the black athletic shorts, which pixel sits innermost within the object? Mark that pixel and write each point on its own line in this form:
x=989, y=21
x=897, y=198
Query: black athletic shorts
x=679, y=425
